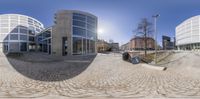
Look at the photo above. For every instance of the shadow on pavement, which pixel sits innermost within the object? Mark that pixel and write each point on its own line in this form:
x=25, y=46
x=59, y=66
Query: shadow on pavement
x=44, y=67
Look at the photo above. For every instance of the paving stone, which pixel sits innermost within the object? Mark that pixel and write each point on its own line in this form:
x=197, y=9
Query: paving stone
x=107, y=76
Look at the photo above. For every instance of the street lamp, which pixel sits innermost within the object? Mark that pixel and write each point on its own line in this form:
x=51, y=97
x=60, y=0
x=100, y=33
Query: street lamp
x=155, y=36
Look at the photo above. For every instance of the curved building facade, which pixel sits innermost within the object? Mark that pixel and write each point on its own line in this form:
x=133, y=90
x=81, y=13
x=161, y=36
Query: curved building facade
x=84, y=33
x=17, y=32
x=188, y=34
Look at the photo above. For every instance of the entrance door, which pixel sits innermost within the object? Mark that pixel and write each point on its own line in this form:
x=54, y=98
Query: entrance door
x=49, y=49
x=64, y=44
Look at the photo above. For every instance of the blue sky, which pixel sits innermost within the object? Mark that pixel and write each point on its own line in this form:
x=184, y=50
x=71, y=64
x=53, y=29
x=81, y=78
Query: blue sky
x=117, y=18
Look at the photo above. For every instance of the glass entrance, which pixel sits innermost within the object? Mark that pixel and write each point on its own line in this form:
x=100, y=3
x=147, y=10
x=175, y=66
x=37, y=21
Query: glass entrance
x=64, y=44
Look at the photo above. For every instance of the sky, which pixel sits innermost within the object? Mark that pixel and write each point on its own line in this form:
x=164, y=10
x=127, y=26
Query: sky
x=117, y=19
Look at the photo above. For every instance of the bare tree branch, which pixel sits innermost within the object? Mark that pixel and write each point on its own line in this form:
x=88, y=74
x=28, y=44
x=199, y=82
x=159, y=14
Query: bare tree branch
x=144, y=29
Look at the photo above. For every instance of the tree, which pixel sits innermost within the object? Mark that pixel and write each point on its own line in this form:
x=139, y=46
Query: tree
x=144, y=29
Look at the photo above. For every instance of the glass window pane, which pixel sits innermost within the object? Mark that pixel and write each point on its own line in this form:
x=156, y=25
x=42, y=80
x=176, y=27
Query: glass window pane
x=13, y=36
x=77, y=45
x=23, y=46
x=79, y=31
x=37, y=30
x=5, y=46
x=91, y=20
x=23, y=37
x=14, y=47
x=91, y=35
x=31, y=30
x=79, y=23
x=92, y=46
x=31, y=38
x=78, y=14
x=88, y=46
x=91, y=27
x=80, y=17
x=24, y=31
x=14, y=30
x=47, y=34
x=84, y=46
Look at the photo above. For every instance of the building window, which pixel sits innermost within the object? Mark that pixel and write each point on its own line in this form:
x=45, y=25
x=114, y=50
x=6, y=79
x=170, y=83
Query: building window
x=79, y=23
x=24, y=31
x=77, y=45
x=14, y=30
x=47, y=34
x=23, y=37
x=79, y=31
x=45, y=47
x=31, y=30
x=31, y=38
x=91, y=35
x=91, y=27
x=37, y=30
x=5, y=47
x=77, y=16
x=31, y=47
x=14, y=47
x=84, y=46
x=92, y=46
x=65, y=45
x=13, y=36
x=90, y=20
x=88, y=46
x=23, y=46
x=30, y=20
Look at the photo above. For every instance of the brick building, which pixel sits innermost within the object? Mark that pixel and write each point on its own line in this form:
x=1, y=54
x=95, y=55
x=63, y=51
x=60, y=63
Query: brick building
x=138, y=43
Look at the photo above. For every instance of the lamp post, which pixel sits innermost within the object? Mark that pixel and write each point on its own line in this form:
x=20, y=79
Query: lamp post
x=155, y=36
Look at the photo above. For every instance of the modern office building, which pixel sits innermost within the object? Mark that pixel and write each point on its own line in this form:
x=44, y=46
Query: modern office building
x=17, y=32
x=74, y=33
x=167, y=43
x=188, y=34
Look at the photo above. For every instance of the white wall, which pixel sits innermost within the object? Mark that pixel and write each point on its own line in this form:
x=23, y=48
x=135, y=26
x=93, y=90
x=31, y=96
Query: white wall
x=188, y=31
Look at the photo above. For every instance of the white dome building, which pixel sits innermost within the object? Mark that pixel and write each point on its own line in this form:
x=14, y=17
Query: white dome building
x=188, y=34
x=17, y=32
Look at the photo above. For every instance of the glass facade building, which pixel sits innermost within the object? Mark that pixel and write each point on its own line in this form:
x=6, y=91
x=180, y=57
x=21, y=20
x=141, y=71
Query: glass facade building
x=188, y=34
x=17, y=32
x=43, y=40
x=84, y=33
x=74, y=33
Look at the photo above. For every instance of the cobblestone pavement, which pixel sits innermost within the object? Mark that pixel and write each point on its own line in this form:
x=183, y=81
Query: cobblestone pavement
x=108, y=76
